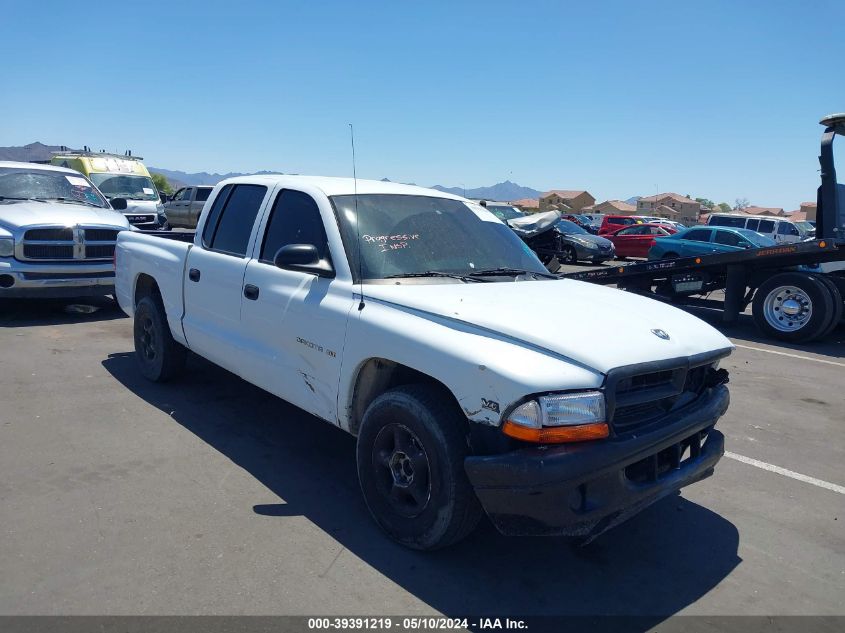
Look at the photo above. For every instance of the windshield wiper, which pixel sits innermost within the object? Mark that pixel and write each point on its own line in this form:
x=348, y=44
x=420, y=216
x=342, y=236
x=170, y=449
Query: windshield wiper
x=70, y=200
x=14, y=198
x=434, y=273
x=510, y=272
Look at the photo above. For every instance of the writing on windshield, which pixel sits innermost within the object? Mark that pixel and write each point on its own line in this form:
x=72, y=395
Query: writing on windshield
x=388, y=235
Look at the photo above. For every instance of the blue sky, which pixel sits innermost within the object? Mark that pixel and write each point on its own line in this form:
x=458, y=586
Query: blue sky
x=714, y=99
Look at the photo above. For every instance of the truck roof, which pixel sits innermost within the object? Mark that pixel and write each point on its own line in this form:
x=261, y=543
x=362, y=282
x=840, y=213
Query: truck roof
x=40, y=166
x=333, y=186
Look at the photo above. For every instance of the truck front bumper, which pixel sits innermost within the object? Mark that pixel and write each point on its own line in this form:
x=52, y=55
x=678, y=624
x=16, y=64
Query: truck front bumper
x=49, y=280
x=583, y=489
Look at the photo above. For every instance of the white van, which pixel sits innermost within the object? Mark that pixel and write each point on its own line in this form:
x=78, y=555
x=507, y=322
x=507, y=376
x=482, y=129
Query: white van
x=779, y=229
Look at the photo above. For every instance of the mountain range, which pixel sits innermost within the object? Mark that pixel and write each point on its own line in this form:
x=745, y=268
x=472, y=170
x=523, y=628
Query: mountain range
x=503, y=191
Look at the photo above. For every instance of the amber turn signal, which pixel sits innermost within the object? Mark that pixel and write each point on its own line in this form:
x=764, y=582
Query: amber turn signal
x=557, y=434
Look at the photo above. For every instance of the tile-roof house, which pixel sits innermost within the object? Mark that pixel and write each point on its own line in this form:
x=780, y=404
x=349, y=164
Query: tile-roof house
x=526, y=204
x=612, y=207
x=762, y=211
x=678, y=207
x=566, y=200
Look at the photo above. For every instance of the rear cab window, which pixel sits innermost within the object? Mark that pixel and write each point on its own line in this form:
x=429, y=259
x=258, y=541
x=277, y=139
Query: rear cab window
x=231, y=219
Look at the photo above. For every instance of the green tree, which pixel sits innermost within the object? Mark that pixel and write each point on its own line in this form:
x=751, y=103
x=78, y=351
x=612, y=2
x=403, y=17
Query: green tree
x=725, y=207
x=706, y=202
x=162, y=184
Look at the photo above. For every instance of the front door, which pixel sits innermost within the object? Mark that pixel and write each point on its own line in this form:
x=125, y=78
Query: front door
x=294, y=323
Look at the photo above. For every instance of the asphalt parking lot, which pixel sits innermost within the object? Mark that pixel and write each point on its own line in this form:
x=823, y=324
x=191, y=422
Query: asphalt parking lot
x=209, y=496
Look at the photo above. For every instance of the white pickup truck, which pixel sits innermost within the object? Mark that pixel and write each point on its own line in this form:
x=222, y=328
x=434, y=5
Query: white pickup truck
x=421, y=324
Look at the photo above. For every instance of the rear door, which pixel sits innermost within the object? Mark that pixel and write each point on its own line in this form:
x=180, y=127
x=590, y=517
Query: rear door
x=294, y=323
x=696, y=242
x=767, y=228
x=215, y=274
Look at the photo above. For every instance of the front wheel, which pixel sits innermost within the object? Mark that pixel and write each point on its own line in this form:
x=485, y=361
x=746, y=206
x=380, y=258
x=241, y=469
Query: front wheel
x=411, y=449
x=568, y=254
x=159, y=356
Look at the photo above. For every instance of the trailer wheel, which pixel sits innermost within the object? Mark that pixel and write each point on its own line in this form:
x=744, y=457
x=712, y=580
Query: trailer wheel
x=411, y=449
x=794, y=307
x=838, y=307
x=159, y=357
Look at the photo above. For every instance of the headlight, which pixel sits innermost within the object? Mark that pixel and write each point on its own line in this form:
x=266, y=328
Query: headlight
x=566, y=417
x=7, y=246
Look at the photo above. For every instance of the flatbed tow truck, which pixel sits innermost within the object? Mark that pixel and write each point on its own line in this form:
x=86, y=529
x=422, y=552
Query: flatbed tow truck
x=796, y=290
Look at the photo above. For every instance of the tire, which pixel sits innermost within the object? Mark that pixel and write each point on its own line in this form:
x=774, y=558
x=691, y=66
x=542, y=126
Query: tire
x=837, y=309
x=810, y=309
x=568, y=254
x=159, y=357
x=411, y=449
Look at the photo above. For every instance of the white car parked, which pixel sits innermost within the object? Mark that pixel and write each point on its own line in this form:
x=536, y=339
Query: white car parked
x=420, y=323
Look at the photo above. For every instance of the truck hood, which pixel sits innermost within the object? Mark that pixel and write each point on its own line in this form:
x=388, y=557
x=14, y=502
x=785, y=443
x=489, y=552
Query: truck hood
x=598, y=327
x=18, y=215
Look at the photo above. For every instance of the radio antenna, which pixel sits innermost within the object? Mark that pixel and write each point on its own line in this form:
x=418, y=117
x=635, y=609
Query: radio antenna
x=357, y=221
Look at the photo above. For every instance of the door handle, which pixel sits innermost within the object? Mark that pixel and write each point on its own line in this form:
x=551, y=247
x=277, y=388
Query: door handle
x=194, y=274
x=251, y=292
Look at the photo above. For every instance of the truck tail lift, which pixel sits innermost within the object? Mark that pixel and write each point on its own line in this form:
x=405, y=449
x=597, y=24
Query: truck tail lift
x=795, y=292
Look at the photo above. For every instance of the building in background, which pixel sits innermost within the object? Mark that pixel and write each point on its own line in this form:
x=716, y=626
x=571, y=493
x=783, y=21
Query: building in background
x=611, y=207
x=566, y=200
x=672, y=206
x=529, y=205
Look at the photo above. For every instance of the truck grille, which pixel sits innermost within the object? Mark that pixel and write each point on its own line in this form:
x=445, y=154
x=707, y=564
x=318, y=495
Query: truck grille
x=643, y=399
x=67, y=243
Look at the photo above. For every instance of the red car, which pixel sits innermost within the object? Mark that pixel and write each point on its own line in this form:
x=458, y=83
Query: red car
x=635, y=240
x=612, y=223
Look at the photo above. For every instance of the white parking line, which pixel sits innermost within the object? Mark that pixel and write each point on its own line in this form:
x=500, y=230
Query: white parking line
x=771, y=351
x=786, y=473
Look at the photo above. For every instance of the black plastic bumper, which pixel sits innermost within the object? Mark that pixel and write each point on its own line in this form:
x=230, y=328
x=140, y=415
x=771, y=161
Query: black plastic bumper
x=583, y=489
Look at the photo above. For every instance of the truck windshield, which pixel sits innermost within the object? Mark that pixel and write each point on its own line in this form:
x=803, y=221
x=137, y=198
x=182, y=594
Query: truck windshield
x=406, y=234
x=124, y=186
x=43, y=184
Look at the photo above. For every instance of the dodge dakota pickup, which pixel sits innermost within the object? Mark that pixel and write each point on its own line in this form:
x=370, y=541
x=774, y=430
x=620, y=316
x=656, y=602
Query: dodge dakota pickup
x=57, y=233
x=421, y=324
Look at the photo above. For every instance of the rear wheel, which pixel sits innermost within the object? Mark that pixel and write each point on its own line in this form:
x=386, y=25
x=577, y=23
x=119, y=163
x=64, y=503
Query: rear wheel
x=793, y=307
x=838, y=307
x=411, y=449
x=159, y=357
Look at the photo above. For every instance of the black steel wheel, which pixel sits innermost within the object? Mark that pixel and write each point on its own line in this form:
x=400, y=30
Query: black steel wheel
x=411, y=449
x=159, y=356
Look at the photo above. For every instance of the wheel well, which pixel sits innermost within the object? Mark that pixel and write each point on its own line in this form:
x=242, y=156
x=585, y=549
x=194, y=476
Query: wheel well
x=146, y=286
x=379, y=375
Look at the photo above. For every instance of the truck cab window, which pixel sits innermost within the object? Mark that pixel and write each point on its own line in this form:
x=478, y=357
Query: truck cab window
x=234, y=220
x=295, y=219
x=784, y=228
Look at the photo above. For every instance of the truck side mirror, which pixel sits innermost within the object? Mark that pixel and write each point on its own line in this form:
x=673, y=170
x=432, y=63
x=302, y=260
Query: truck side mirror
x=162, y=196
x=303, y=258
x=118, y=204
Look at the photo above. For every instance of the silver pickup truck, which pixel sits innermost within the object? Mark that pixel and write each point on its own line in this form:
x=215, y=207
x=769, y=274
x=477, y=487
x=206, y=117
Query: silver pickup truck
x=57, y=233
